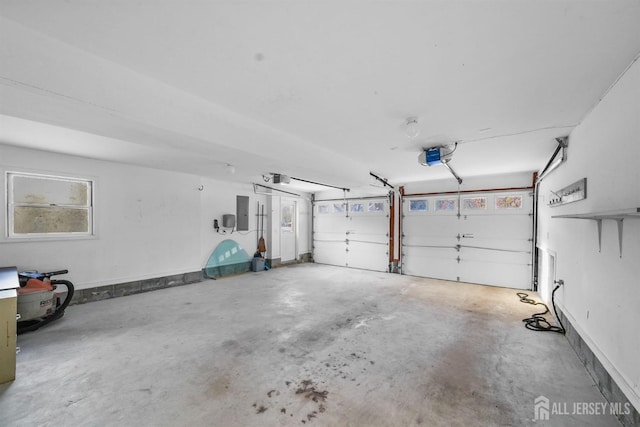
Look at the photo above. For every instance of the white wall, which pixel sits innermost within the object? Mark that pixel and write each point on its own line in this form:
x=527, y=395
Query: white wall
x=354, y=193
x=149, y=223
x=601, y=295
x=218, y=198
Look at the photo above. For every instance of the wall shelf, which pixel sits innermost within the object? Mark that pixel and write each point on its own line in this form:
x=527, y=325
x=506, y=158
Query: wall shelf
x=619, y=216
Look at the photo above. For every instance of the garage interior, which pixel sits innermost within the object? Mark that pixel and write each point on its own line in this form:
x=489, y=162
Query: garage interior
x=324, y=213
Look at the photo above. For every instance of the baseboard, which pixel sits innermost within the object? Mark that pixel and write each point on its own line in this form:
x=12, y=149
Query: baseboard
x=99, y=293
x=274, y=262
x=302, y=258
x=610, y=387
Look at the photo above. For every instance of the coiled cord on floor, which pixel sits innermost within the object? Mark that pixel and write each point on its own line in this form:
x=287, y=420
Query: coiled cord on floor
x=537, y=322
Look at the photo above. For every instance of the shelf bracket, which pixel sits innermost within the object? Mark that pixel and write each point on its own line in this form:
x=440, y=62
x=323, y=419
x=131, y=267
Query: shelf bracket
x=617, y=216
x=619, y=221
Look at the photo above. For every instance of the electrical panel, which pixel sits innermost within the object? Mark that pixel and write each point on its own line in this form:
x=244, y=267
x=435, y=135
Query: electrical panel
x=242, y=213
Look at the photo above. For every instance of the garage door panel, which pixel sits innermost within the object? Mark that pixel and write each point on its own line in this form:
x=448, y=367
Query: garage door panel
x=430, y=225
x=367, y=230
x=374, y=239
x=330, y=235
x=368, y=256
x=434, y=231
x=368, y=222
x=514, y=275
x=500, y=244
x=359, y=240
x=427, y=241
x=331, y=224
x=430, y=262
x=512, y=226
x=494, y=256
x=330, y=253
x=492, y=237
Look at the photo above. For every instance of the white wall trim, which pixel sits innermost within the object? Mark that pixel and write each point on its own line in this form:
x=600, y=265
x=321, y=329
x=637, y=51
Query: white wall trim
x=127, y=279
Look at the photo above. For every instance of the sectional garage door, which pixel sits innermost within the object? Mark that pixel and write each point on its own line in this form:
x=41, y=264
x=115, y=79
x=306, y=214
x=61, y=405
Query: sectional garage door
x=352, y=233
x=480, y=238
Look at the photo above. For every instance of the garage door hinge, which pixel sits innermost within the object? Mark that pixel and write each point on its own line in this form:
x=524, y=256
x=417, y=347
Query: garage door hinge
x=458, y=248
x=458, y=259
x=346, y=241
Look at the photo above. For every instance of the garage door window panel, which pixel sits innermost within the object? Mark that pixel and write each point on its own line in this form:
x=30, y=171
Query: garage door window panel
x=421, y=205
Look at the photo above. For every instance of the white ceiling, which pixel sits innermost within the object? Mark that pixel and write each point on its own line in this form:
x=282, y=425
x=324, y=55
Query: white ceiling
x=314, y=89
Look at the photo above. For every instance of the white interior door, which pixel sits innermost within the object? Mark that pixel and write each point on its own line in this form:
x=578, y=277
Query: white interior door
x=352, y=233
x=489, y=242
x=288, y=230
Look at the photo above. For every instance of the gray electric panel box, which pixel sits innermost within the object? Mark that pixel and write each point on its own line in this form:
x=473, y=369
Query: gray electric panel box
x=242, y=212
x=228, y=221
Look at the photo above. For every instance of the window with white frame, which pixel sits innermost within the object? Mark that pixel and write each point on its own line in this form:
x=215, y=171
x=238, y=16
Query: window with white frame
x=48, y=206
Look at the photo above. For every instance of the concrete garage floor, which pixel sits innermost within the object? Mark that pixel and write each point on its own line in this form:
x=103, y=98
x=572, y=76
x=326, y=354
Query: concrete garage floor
x=301, y=345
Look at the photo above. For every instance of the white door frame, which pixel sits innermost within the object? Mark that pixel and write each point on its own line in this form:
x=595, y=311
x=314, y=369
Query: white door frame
x=285, y=235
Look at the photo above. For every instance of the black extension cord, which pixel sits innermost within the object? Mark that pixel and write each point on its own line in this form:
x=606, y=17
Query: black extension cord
x=537, y=322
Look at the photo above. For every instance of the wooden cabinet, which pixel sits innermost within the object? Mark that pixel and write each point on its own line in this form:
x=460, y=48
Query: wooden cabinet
x=8, y=310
